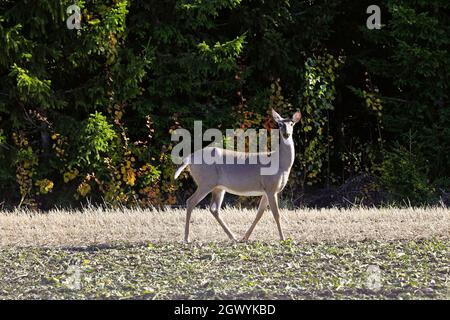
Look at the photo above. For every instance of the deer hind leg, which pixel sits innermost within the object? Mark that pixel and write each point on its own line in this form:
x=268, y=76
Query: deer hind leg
x=273, y=202
x=261, y=208
x=193, y=200
x=216, y=202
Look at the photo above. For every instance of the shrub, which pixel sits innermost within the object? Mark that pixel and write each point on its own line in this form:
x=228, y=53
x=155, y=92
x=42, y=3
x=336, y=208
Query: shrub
x=403, y=175
x=74, y=104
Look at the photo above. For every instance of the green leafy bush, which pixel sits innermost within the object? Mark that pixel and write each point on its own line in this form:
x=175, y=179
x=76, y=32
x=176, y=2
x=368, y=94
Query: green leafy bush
x=95, y=141
x=88, y=113
x=403, y=175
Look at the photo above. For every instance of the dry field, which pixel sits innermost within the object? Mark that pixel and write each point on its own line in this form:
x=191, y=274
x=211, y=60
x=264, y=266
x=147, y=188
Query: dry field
x=96, y=226
x=138, y=254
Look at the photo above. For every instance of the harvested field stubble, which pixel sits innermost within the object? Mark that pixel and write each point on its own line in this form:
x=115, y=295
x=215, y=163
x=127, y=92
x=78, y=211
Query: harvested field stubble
x=60, y=228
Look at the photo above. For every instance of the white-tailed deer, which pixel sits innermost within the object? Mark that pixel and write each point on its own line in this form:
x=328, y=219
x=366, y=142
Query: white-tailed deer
x=242, y=179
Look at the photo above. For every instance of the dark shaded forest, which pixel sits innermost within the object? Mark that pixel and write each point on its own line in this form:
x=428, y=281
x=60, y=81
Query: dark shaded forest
x=86, y=115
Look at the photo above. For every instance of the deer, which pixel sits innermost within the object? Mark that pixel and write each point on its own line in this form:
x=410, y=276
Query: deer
x=242, y=179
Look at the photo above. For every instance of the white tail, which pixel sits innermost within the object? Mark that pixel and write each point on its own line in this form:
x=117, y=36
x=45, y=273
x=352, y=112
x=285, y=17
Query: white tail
x=242, y=179
x=186, y=162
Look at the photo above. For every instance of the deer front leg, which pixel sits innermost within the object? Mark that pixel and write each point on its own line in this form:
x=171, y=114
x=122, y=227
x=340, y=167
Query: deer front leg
x=261, y=208
x=273, y=203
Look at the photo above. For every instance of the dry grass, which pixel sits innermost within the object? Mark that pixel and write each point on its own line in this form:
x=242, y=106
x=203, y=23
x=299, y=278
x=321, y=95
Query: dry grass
x=96, y=226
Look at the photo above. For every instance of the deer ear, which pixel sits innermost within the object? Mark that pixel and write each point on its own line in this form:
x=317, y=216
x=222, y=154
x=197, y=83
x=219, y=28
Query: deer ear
x=297, y=117
x=276, y=116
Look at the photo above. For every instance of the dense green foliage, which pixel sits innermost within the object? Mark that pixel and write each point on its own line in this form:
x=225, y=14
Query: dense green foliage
x=404, y=175
x=87, y=114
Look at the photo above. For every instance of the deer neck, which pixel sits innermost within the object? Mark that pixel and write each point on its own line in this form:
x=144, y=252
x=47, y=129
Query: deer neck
x=287, y=153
